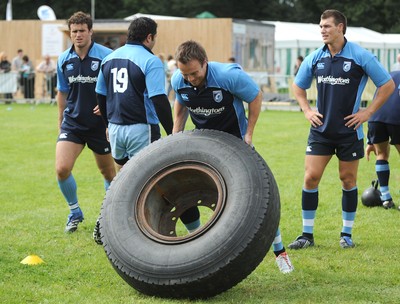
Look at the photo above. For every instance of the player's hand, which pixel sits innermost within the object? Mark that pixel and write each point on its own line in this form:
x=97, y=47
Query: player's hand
x=248, y=139
x=355, y=120
x=369, y=149
x=314, y=117
x=96, y=110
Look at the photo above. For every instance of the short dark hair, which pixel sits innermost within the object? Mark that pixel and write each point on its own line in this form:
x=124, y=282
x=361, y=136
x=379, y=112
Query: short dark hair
x=339, y=17
x=140, y=28
x=190, y=50
x=80, y=18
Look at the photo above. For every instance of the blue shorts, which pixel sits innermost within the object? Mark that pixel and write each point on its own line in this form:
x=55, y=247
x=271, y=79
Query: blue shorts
x=97, y=144
x=344, y=151
x=379, y=132
x=127, y=140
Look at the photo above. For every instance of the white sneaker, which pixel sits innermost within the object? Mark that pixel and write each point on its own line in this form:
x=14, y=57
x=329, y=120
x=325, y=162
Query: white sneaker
x=283, y=262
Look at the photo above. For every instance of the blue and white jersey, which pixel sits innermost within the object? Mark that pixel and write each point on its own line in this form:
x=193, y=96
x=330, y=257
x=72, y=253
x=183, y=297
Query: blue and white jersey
x=389, y=113
x=340, y=82
x=78, y=78
x=129, y=77
x=219, y=105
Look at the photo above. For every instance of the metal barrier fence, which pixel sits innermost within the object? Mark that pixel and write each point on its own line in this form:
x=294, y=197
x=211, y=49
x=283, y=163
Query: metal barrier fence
x=27, y=88
x=41, y=88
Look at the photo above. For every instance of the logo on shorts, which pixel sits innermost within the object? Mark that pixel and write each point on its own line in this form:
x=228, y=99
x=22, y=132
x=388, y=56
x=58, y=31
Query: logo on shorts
x=346, y=66
x=308, y=149
x=217, y=95
x=63, y=136
x=94, y=66
x=106, y=149
x=354, y=154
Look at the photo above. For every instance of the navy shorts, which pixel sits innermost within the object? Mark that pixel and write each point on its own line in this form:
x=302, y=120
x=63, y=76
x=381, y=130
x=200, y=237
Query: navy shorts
x=379, y=132
x=97, y=144
x=344, y=151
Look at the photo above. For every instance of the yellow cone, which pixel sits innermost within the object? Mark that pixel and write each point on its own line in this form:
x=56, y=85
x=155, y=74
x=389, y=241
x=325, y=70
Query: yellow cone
x=32, y=260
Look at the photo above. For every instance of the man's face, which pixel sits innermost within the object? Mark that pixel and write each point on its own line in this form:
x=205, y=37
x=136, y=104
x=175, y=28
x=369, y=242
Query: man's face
x=329, y=31
x=194, y=72
x=80, y=35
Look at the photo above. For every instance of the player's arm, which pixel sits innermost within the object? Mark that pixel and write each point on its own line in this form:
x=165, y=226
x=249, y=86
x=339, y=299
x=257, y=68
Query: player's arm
x=163, y=110
x=382, y=94
x=62, y=103
x=301, y=96
x=101, y=102
x=180, y=117
x=254, y=112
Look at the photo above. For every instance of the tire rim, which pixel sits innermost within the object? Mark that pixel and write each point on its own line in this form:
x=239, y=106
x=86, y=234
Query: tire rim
x=173, y=190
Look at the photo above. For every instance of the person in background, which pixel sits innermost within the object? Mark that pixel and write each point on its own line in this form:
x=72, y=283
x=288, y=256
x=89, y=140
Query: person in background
x=220, y=89
x=16, y=64
x=171, y=63
x=299, y=60
x=48, y=68
x=79, y=120
x=27, y=72
x=383, y=126
x=396, y=65
x=342, y=69
x=5, y=67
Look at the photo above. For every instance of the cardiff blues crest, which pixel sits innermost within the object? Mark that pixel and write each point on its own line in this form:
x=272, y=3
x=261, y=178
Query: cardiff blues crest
x=217, y=95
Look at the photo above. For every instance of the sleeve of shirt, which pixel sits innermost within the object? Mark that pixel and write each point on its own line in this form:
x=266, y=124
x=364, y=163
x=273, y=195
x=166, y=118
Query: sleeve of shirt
x=241, y=84
x=375, y=70
x=155, y=78
x=62, y=83
x=175, y=80
x=101, y=87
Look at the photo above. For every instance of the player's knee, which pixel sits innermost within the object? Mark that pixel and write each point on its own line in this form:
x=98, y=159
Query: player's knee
x=62, y=172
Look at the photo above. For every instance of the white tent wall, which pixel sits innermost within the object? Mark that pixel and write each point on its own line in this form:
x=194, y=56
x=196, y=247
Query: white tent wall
x=293, y=39
x=303, y=38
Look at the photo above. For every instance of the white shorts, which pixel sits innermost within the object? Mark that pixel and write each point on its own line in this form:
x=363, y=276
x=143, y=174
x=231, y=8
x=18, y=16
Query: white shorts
x=127, y=140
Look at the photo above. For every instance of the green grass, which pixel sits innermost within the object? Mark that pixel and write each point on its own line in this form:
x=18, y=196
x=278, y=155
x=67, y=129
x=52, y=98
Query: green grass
x=33, y=214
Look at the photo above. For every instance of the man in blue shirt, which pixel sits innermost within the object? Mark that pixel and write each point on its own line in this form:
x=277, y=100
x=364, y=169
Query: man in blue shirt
x=131, y=93
x=382, y=126
x=213, y=94
x=341, y=70
x=79, y=119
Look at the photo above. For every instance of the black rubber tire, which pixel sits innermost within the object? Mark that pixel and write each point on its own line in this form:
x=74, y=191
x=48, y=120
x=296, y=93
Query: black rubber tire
x=153, y=189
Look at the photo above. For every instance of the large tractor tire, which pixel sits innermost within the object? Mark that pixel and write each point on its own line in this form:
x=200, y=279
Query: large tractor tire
x=214, y=171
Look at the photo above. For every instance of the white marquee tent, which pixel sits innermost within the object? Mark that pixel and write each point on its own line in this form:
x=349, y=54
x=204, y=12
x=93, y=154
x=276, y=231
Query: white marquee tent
x=294, y=39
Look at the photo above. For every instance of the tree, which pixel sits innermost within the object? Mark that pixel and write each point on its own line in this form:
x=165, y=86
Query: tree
x=378, y=15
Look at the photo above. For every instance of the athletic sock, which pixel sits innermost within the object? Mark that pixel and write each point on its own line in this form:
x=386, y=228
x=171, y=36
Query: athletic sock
x=106, y=184
x=277, y=243
x=191, y=219
x=382, y=169
x=69, y=188
x=349, y=208
x=193, y=225
x=309, y=202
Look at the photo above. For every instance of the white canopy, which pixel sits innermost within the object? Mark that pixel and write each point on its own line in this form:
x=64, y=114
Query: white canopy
x=293, y=39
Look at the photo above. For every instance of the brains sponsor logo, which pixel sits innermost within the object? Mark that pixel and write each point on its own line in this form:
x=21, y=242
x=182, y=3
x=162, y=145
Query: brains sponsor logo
x=82, y=79
x=207, y=112
x=332, y=80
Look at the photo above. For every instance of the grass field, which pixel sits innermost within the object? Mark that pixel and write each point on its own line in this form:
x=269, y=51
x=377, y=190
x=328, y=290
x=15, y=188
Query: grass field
x=76, y=270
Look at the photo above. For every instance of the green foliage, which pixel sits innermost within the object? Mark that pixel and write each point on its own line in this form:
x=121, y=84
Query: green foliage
x=378, y=15
x=76, y=270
